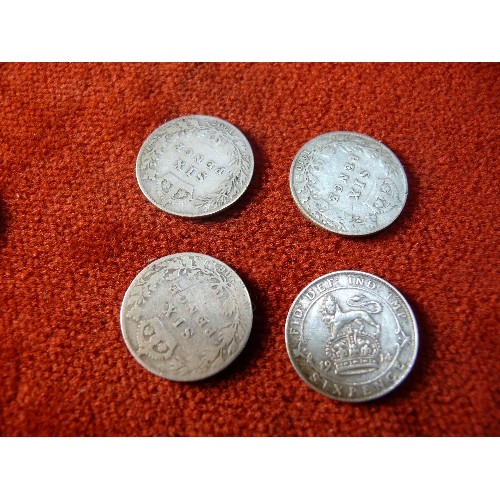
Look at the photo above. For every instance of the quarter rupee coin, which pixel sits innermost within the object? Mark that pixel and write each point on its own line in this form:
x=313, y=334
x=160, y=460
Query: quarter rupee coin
x=351, y=336
x=186, y=317
x=348, y=183
x=194, y=166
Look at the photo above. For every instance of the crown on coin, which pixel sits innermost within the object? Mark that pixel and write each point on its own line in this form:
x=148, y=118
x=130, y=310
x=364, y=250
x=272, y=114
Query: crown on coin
x=354, y=351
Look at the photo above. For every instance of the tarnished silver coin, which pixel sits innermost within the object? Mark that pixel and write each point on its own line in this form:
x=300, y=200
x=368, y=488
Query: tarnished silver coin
x=186, y=316
x=351, y=336
x=194, y=165
x=348, y=183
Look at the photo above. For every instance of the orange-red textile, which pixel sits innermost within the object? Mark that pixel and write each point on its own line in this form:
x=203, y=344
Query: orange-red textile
x=75, y=230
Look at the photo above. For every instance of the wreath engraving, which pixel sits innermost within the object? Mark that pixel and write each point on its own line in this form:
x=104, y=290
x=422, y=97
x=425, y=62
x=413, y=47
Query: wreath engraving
x=239, y=159
x=159, y=344
x=311, y=160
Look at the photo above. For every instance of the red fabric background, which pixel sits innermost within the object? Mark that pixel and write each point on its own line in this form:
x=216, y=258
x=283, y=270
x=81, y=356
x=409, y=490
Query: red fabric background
x=75, y=230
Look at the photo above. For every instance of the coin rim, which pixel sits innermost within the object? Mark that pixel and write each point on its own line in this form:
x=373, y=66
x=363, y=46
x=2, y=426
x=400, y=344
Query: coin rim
x=323, y=226
x=204, y=214
x=123, y=318
x=361, y=399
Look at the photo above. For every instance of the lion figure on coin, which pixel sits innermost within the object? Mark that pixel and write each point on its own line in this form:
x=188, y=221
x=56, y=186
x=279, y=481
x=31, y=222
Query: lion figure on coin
x=361, y=310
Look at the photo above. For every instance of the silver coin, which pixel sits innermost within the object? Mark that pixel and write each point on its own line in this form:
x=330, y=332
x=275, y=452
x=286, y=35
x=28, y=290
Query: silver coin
x=348, y=183
x=351, y=336
x=186, y=316
x=194, y=166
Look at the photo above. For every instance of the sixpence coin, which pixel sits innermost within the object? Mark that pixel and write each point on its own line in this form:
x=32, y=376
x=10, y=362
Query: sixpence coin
x=351, y=336
x=348, y=183
x=194, y=166
x=186, y=316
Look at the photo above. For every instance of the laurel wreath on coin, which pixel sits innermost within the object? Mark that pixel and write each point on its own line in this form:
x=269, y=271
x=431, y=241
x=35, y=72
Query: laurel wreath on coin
x=224, y=342
x=219, y=133
x=310, y=161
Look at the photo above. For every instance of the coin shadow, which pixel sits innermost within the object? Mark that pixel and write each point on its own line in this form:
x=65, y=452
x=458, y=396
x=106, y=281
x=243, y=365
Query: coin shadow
x=260, y=162
x=419, y=373
x=255, y=345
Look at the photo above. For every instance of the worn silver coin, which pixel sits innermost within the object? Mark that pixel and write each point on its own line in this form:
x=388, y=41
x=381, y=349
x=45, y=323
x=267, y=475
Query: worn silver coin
x=351, y=336
x=186, y=316
x=194, y=166
x=348, y=183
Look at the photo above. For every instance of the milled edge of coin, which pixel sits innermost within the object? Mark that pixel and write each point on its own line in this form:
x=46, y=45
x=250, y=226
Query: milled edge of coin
x=411, y=363
x=157, y=373
x=323, y=226
x=205, y=214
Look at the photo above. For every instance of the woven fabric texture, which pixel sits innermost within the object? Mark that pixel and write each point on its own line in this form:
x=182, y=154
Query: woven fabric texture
x=75, y=230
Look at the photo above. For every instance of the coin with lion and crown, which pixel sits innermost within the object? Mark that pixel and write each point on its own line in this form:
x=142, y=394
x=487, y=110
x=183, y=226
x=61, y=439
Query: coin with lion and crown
x=351, y=336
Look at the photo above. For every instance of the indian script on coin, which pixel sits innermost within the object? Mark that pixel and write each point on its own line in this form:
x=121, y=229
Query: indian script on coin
x=351, y=336
x=194, y=166
x=348, y=183
x=186, y=316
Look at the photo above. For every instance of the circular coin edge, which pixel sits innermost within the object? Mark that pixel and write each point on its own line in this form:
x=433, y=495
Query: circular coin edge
x=362, y=399
x=323, y=226
x=205, y=214
x=154, y=371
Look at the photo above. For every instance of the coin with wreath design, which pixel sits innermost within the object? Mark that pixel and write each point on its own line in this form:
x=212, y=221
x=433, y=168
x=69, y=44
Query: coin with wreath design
x=348, y=183
x=186, y=316
x=195, y=165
